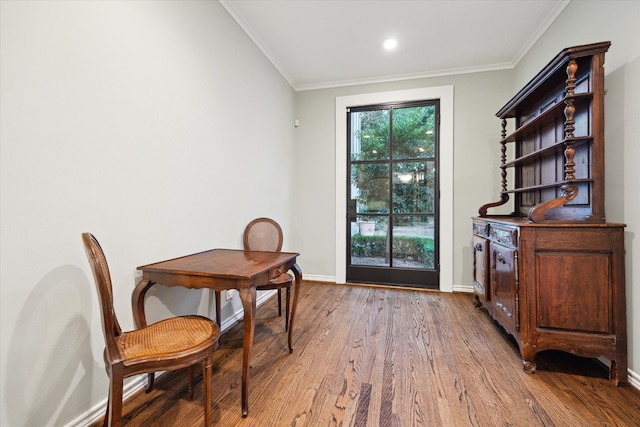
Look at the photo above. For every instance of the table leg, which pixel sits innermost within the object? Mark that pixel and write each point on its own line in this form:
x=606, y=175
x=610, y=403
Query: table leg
x=218, y=308
x=140, y=319
x=297, y=272
x=137, y=302
x=248, y=298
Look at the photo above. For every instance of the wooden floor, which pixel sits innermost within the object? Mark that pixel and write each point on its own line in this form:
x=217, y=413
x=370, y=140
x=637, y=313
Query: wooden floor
x=371, y=356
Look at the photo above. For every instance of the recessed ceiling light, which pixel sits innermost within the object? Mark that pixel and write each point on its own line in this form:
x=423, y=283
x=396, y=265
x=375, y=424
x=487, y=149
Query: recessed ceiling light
x=390, y=44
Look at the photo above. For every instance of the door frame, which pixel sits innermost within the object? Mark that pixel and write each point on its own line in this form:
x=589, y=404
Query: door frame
x=445, y=95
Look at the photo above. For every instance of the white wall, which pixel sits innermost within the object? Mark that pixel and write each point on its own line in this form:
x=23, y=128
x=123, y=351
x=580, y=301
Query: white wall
x=156, y=125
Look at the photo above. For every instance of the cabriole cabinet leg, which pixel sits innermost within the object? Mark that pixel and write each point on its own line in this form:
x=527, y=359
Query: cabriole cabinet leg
x=529, y=366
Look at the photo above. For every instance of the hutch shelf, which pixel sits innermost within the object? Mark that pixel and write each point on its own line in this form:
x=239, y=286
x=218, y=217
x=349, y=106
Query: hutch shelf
x=552, y=272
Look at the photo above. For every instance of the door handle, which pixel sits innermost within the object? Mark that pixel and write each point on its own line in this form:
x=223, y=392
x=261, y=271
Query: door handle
x=352, y=209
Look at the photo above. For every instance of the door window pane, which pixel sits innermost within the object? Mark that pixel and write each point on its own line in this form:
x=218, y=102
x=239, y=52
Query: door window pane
x=369, y=241
x=370, y=135
x=414, y=132
x=413, y=242
x=414, y=187
x=370, y=186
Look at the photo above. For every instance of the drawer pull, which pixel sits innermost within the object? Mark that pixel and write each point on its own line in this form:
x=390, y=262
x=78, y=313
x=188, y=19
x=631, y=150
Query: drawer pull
x=478, y=247
x=501, y=259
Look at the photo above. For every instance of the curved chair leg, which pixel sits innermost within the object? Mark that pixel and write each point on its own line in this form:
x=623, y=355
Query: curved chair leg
x=206, y=383
x=105, y=423
x=113, y=417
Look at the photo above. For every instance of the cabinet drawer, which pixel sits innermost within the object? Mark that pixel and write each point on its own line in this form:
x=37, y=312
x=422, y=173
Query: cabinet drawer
x=504, y=235
x=481, y=229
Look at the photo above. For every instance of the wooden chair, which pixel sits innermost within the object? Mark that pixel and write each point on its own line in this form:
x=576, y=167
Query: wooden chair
x=169, y=344
x=264, y=234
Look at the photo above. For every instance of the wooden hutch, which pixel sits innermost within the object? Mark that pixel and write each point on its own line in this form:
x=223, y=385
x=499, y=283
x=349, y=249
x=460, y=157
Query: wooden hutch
x=552, y=272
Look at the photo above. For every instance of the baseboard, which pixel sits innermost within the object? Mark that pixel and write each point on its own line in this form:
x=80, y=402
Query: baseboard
x=634, y=379
x=238, y=314
x=460, y=288
x=98, y=410
x=317, y=278
x=331, y=279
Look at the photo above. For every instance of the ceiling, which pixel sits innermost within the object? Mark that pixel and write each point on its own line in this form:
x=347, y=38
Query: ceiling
x=329, y=43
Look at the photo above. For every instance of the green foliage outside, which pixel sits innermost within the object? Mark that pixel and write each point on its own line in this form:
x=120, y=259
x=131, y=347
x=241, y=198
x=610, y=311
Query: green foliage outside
x=413, y=133
x=419, y=249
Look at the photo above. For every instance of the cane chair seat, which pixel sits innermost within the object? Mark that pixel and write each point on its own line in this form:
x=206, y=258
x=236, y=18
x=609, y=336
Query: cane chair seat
x=176, y=335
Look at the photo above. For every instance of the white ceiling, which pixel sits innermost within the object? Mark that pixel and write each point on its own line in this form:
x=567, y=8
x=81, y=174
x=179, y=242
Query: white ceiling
x=328, y=43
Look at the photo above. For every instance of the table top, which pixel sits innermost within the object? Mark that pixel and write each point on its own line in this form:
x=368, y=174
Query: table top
x=223, y=263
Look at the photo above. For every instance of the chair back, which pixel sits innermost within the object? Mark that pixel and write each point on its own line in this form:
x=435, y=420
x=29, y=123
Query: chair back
x=263, y=234
x=102, y=278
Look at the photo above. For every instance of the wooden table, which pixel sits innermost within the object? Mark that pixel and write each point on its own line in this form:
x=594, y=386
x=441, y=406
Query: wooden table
x=221, y=269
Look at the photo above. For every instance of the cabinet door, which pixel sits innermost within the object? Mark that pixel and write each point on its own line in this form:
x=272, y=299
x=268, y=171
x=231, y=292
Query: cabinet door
x=504, y=285
x=481, y=268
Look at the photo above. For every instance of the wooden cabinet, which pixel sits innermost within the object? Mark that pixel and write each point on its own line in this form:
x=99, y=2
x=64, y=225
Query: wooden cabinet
x=552, y=272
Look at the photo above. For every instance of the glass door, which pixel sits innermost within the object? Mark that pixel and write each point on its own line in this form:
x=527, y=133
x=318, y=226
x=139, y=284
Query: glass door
x=392, y=192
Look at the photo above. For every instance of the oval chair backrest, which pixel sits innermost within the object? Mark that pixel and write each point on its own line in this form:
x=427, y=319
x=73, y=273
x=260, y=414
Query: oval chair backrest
x=263, y=234
x=102, y=278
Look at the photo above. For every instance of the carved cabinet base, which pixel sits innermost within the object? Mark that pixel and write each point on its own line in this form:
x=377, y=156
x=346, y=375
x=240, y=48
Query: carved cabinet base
x=554, y=286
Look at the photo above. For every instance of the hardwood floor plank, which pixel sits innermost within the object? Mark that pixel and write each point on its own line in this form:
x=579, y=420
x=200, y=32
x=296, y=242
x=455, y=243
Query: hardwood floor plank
x=384, y=357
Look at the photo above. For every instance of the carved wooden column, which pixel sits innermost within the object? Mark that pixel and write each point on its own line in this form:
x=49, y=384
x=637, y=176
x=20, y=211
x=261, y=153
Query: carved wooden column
x=570, y=189
x=503, y=155
x=504, y=196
